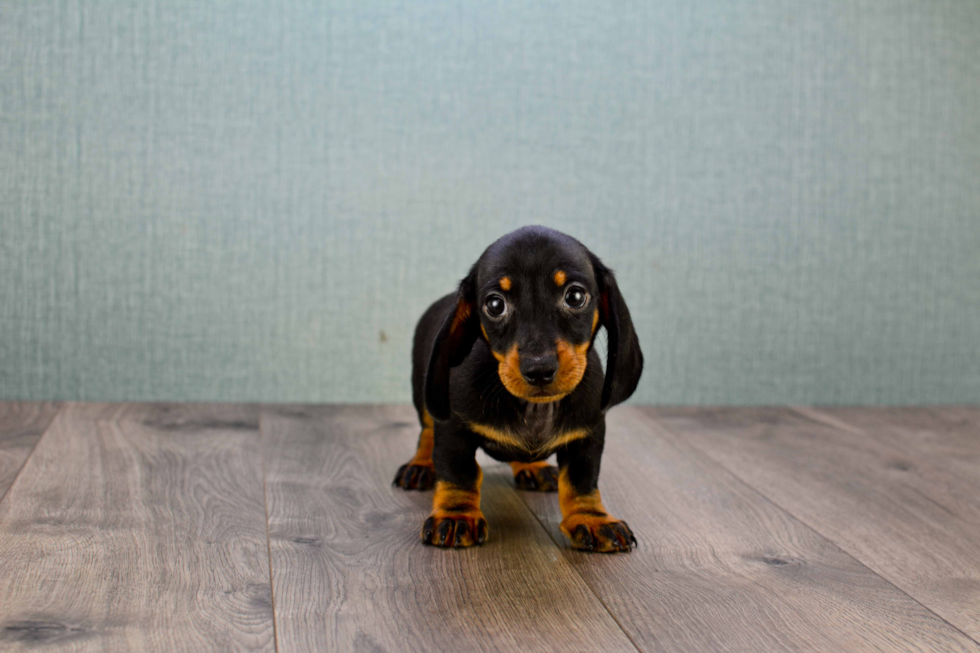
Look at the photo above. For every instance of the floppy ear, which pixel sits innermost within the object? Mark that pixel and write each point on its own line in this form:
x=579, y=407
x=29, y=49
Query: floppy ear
x=624, y=361
x=452, y=344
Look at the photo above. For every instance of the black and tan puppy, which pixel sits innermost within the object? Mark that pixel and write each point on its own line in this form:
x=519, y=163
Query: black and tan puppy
x=506, y=363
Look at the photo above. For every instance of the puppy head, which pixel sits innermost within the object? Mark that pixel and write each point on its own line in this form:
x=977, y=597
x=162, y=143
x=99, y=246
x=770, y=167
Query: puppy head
x=538, y=303
x=538, y=297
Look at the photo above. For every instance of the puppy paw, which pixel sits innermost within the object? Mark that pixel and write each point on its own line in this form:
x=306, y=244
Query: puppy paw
x=411, y=476
x=598, y=533
x=535, y=477
x=455, y=530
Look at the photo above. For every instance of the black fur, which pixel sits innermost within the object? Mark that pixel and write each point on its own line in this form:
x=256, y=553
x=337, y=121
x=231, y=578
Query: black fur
x=455, y=375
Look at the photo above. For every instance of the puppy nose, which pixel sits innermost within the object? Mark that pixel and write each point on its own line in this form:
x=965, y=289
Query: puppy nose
x=539, y=370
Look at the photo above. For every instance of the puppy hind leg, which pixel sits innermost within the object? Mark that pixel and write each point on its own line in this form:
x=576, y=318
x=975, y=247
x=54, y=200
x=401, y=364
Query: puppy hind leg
x=419, y=472
x=536, y=477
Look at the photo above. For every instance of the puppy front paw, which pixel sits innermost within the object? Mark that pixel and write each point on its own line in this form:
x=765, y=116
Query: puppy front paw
x=600, y=533
x=535, y=477
x=413, y=476
x=455, y=530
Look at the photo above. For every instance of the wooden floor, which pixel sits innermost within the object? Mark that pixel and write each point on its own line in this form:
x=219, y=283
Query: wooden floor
x=200, y=527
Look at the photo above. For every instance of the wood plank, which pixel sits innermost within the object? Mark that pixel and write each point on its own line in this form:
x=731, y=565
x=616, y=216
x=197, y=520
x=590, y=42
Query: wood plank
x=22, y=423
x=138, y=527
x=350, y=573
x=970, y=413
x=886, y=501
x=720, y=568
x=938, y=447
x=942, y=433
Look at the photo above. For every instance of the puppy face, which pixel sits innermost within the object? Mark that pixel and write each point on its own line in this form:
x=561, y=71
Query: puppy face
x=538, y=302
x=537, y=296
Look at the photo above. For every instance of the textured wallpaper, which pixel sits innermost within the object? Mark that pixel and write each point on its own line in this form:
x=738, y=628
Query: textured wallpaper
x=256, y=200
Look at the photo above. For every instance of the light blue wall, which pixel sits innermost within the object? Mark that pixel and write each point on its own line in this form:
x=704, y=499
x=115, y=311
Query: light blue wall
x=255, y=200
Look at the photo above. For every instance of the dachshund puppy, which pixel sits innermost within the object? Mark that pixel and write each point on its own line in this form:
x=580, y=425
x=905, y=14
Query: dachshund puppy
x=506, y=364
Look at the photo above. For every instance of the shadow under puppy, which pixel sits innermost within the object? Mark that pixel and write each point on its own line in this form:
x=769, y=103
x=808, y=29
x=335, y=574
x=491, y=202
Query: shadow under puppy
x=507, y=364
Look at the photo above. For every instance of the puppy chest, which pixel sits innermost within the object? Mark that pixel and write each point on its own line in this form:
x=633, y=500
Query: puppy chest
x=536, y=426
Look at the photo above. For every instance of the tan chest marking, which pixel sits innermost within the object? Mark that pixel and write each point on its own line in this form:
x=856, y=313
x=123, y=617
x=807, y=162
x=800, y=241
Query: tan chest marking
x=516, y=441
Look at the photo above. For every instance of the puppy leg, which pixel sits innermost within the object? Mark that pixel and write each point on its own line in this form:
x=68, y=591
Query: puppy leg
x=539, y=476
x=584, y=519
x=419, y=473
x=456, y=519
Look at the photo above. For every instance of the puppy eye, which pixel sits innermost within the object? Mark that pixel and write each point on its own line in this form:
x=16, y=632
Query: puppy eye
x=495, y=306
x=576, y=297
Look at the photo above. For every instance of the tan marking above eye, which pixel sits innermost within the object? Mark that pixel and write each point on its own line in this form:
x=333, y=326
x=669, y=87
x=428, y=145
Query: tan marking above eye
x=560, y=278
x=505, y=283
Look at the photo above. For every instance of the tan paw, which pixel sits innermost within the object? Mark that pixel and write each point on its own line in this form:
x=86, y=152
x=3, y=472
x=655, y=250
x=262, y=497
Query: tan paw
x=455, y=530
x=411, y=476
x=600, y=533
x=536, y=477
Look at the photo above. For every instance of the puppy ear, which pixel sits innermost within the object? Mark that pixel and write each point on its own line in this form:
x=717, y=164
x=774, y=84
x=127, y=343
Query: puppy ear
x=452, y=344
x=624, y=360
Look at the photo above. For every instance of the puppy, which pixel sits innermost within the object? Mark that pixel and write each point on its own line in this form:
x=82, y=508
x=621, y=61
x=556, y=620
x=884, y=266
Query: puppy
x=506, y=364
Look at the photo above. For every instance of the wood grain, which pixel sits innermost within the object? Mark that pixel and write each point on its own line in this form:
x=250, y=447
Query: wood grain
x=721, y=568
x=350, y=572
x=22, y=423
x=143, y=527
x=138, y=528
x=902, y=500
x=938, y=446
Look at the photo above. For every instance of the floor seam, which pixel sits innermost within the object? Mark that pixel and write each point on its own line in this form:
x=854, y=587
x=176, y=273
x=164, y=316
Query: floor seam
x=47, y=428
x=268, y=534
x=709, y=458
x=562, y=552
